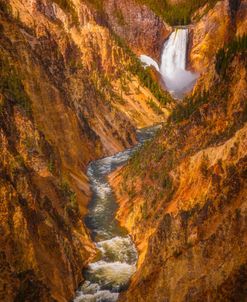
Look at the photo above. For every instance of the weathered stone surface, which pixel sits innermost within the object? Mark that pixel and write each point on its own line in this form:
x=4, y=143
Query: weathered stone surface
x=138, y=26
x=183, y=198
x=81, y=103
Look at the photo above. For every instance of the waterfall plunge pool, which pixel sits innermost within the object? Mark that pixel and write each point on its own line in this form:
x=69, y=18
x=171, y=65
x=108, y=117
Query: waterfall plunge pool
x=107, y=277
x=172, y=69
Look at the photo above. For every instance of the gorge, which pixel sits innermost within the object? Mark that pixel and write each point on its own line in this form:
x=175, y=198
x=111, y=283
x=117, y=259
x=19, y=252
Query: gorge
x=123, y=150
x=109, y=275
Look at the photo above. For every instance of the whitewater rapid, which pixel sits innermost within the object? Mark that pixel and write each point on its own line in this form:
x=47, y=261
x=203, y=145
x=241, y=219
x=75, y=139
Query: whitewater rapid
x=172, y=68
x=108, y=276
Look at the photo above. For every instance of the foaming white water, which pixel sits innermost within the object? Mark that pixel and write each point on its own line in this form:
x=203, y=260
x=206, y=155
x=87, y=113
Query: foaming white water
x=110, y=275
x=101, y=189
x=172, y=69
x=147, y=61
x=119, y=249
x=113, y=271
x=100, y=296
x=173, y=64
x=118, y=256
x=174, y=52
x=90, y=292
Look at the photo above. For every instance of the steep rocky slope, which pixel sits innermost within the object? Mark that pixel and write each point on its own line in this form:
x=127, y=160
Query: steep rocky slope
x=144, y=31
x=187, y=188
x=215, y=27
x=68, y=94
x=71, y=91
x=133, y=22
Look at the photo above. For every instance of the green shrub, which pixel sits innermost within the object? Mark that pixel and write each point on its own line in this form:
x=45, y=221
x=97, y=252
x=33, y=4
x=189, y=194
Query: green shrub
x=226, y=54
x=11, y=86
x=144, y=210
x=51, y=165
x=167, y=182
x=176, y=14
x=5, y=7
x=144, y=74
x=184, y=110
x=154, y=107
x=119, y=16
x=72, y=204
x=66, y=190
x=146, y=80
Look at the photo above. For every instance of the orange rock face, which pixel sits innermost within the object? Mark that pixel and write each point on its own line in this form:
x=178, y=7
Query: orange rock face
x=67, y=97
x=213, y=27
x=187, y=190
x=183, y=196
x=216, y=26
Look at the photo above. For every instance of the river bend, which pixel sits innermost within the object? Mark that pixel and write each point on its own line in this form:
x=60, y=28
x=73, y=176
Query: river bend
x=110, y=274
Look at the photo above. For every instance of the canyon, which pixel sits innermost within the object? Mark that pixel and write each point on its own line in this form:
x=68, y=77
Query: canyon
x=187, y=188
x=73, y=94
x=67, y=98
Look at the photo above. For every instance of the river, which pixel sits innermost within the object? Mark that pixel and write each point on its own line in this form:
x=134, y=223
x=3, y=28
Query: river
x=110, y=274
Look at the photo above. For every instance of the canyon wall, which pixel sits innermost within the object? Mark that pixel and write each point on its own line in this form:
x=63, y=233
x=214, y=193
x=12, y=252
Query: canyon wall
x=183, y=196
x=68, y=95
x=215, y=27
x=144, y=31
x=72, y=91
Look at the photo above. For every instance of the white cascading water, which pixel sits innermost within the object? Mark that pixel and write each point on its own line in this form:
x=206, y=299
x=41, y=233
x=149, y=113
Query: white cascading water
x=107, y=277
x=173, y=71
x=173, y=64
x=147, y=61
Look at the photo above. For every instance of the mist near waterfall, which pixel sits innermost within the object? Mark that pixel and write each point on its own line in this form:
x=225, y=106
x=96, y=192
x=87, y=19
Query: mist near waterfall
x=172, y=69
x=148, y=61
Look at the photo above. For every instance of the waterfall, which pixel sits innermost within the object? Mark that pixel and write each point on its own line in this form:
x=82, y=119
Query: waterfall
x=173, y=64
x=174, y=52
x=172, y=69
x=147, y=61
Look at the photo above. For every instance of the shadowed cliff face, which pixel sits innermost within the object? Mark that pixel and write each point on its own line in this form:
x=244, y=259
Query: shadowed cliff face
x=187, y=190
x=75, y=49
x=67, y=96
x=138, y=26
